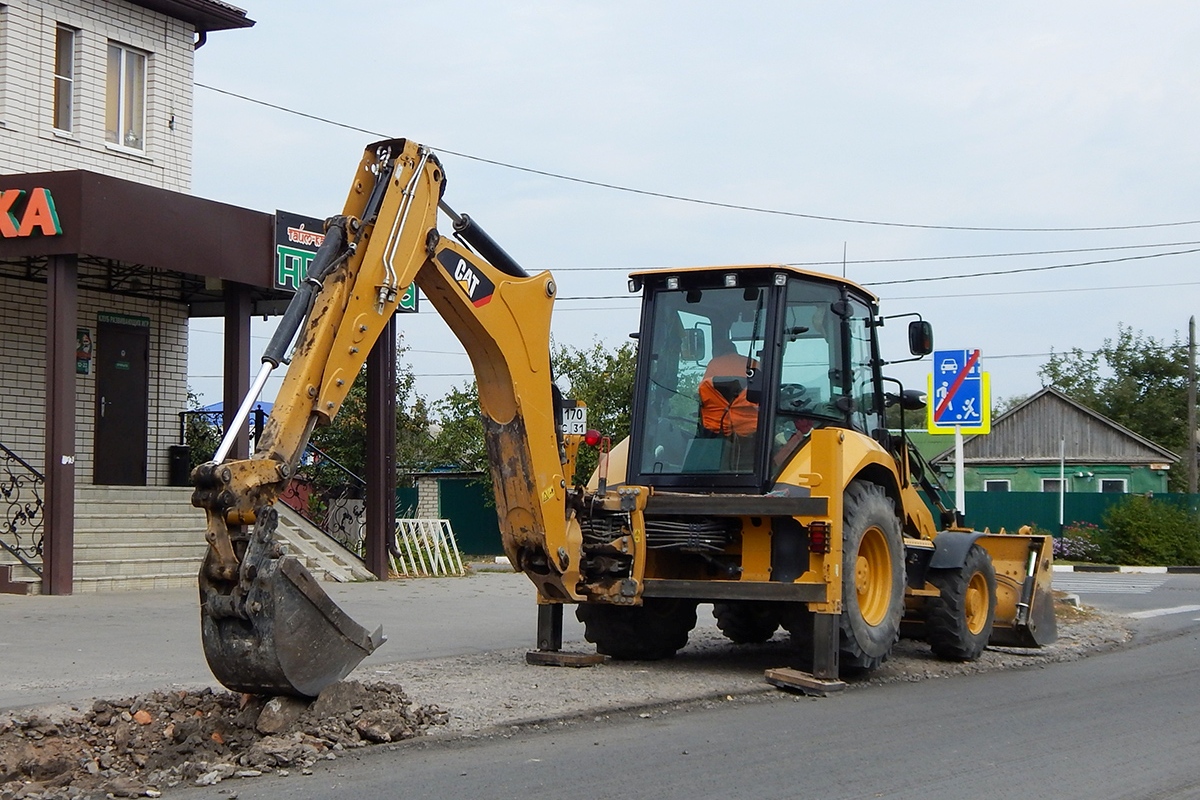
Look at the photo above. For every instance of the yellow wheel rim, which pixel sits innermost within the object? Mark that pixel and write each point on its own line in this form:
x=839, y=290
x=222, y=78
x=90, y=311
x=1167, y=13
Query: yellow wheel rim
x=873, y=577
x=976, y=603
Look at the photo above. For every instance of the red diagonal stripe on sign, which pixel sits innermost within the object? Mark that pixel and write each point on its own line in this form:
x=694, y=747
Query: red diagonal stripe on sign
x=941, y=409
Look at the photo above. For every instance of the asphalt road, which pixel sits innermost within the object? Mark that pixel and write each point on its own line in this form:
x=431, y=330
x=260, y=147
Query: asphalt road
x=69, y=649
x=1122, y=724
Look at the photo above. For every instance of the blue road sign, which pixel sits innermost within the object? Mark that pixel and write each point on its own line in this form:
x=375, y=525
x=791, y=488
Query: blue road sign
x=957, y=389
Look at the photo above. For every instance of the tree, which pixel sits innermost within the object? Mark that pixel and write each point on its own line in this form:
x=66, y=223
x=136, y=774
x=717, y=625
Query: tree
x=1134, y=380
x=601, y=378
x=202, y=431
x=459, y=438
x=345, y=438
x=1004, y=404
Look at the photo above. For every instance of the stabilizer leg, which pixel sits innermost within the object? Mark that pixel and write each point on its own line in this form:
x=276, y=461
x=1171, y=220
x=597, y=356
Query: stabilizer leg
x=823, y=680
x=549, y=641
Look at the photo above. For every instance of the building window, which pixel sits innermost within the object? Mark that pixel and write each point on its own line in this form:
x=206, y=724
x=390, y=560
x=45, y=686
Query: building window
x=1052, y=485
x=1116, y=485
x=64, y=77
x=125, y=106
x=996, y=486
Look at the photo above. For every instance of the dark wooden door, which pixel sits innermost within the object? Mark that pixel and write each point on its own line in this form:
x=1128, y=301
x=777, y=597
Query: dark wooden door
x=122, y=404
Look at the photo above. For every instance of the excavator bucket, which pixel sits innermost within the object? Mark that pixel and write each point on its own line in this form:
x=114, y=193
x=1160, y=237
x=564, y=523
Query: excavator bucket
x=276, y=631
x=1024, y=597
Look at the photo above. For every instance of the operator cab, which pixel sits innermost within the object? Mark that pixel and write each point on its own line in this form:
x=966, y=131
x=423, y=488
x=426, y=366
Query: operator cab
x=737, y=366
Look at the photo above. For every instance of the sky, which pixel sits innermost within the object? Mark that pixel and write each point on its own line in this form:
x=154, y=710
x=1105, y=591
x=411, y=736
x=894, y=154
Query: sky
x=868, y=133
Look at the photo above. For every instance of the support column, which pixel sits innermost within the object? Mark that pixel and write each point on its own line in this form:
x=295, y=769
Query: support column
x=381, y=450
x=237, y=361
x=62, y=304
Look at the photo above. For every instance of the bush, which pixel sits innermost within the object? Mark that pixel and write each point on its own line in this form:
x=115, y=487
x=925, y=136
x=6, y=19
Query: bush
x=1080, y=541
x=1145, y=532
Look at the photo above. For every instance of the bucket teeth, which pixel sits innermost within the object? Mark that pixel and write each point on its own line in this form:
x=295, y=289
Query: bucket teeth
x=276, y=631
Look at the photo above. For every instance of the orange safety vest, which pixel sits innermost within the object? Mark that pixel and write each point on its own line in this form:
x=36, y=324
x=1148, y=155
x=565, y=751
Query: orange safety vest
x=719, y=414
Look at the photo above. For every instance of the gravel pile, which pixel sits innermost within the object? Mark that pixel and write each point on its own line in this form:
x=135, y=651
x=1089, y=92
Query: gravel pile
x=141, y=746
x=135, y=747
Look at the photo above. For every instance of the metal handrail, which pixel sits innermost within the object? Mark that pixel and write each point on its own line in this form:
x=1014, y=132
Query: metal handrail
x=335, y=505
x=217, y=420
x=324, y=491
x=21, y=491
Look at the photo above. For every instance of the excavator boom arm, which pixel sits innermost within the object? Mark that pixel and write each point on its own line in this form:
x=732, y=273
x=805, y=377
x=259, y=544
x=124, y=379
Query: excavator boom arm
x=385, y=239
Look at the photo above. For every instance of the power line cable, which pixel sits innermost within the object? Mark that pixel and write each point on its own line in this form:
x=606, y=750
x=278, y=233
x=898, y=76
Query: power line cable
x=913, y=259
x=989, y=274
x=714, y=203
x=1042, y=291
x=1032, y=269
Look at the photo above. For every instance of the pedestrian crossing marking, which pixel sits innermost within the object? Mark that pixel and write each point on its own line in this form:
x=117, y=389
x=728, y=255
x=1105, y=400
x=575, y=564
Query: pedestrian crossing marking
x=1111, y=583
x=1162, y=612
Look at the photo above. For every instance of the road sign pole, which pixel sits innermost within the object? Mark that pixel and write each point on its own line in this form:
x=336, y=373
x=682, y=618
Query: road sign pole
x=960, y=491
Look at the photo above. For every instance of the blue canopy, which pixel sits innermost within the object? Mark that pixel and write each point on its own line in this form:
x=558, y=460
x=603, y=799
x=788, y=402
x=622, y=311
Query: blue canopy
x=260, y=405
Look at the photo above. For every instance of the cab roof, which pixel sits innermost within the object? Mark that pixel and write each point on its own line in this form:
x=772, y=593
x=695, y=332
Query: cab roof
x=659, y=271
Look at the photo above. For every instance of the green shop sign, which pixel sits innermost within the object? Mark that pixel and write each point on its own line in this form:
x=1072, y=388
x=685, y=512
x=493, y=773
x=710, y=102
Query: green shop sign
x=296, y=241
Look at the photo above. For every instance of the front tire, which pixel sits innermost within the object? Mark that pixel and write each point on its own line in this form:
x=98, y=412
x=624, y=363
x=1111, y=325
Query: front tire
x=649, y=632
x=958, y=623
x=872, y=577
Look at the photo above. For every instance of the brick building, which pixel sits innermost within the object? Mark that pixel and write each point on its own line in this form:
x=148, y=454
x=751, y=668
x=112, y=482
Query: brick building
x=104, y=257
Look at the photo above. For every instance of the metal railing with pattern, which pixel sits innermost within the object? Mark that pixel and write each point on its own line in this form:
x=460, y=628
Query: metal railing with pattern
x=21, y=490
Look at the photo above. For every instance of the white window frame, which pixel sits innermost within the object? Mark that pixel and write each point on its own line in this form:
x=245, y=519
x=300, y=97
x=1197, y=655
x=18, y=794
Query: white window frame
x=66, y=77
x=1064, y=484
x=1123, y=481
x=125, y=54
x=1007, y=484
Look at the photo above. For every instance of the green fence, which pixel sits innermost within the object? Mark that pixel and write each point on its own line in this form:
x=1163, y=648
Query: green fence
x=468, y=504
x=1011, y=510
x=406, y=501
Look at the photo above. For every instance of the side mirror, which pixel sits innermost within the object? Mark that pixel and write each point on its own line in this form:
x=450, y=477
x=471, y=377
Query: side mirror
x=908, y=399
x=920, y=338
x=912, y=399
x=692, y=346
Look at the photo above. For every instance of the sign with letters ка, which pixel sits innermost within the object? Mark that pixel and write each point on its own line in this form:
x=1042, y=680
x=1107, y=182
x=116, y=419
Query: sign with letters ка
x=959, y=394
x=22, y=213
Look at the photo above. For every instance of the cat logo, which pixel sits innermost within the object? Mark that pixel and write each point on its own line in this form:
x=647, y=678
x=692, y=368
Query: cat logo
x=474, y=284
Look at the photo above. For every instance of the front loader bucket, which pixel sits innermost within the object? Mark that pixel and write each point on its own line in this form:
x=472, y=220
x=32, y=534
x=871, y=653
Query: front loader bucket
x=276, y=631
x=1024, y=596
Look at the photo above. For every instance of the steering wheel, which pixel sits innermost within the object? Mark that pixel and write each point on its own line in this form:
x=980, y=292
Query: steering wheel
x=794, y=397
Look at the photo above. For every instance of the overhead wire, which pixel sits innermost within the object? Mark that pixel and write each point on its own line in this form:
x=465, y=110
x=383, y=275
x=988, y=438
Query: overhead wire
x=1020, y=270
x=916, y=259
x=715, y=203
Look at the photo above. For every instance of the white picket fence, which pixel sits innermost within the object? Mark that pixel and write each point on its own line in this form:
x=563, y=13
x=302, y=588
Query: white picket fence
x=426, y=548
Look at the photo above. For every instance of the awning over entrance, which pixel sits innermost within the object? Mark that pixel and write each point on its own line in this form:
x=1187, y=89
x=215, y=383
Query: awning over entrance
x=134, y=229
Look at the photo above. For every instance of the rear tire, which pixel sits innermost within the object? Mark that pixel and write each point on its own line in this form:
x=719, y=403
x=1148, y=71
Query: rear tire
x=649, y=632
x=872, y=577
x=958, y=623
x=747, y=621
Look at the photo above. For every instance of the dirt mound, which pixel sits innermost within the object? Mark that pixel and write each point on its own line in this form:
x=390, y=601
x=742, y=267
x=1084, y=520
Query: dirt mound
x=137, y=746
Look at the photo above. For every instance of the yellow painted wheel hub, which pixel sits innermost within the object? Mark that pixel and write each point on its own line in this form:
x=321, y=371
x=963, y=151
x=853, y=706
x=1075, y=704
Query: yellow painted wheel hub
x=873, y=577
x=976, y=603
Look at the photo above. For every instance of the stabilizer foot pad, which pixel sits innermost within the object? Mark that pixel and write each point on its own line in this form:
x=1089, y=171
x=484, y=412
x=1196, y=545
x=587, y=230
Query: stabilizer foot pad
x=557, y=658
x=805, y=682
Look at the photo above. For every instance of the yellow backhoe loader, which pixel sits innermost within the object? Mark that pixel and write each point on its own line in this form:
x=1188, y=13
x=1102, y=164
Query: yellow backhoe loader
x=758, y=476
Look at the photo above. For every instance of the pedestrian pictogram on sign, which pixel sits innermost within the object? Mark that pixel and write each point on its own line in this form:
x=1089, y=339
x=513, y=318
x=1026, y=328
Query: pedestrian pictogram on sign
x=958, y=393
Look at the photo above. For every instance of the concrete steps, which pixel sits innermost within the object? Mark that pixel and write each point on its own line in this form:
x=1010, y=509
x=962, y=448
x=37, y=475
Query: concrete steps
x=150, y=537
x=324, y=557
